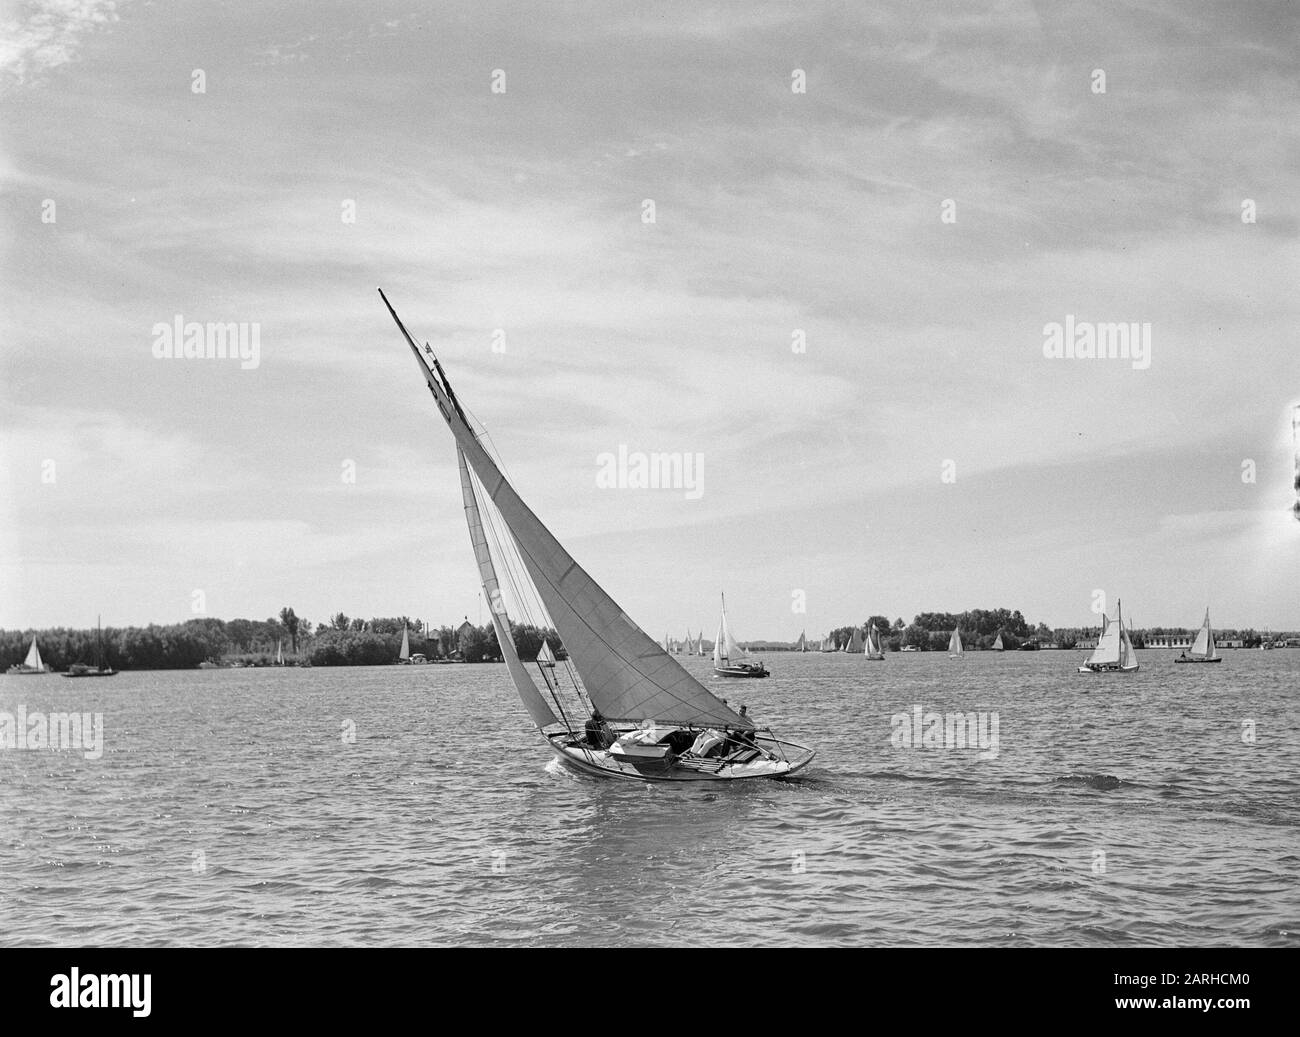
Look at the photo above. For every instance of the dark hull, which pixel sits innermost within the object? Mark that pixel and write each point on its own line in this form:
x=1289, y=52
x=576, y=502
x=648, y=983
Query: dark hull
x=737, y=671
x=93, y=673
x=1218, y=659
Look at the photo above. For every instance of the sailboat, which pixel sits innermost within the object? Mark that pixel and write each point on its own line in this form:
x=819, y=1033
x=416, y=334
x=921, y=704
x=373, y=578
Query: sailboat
x=279, y=652
x=875, y=651
x=1203, y=648
x=856, y=646
x=802, y=644
x=729, y=659
x=954, y=642
x=828, y=642
x=649, y=718
x=81, y=670
x=32, y=664
x=997, y=643
x=1114, y=652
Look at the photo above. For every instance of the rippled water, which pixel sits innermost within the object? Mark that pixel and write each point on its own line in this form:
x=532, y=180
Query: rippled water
x=227, y=808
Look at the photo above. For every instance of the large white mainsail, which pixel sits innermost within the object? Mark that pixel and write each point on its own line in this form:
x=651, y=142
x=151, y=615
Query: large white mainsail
x=855, y=644
x=625, y=673
x=874, y=648
x=1114, y=650
x=954, y=642
x=997, y=643
x=1203, y=647
x=724, y=648
x=405, y=653
x=33, y=660
x=1107, y=652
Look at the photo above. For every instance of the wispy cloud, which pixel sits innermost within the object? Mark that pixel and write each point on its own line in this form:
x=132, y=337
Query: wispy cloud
x=39, y=35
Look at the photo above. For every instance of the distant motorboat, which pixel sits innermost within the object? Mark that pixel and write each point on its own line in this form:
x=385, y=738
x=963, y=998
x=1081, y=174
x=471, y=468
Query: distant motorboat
x=1203, y=648
x=1114, y=652
x=30, y=666
x=909, y=648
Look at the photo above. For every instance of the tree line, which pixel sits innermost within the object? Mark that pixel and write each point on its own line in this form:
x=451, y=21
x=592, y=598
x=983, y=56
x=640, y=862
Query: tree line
x=342, y=641
x=930, y=631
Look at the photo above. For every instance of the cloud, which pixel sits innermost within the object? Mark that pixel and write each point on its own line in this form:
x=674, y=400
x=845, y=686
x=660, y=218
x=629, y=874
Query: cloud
x=39, y=35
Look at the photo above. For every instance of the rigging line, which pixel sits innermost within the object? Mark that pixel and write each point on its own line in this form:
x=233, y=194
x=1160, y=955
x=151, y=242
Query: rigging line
x=516, y=574
x=505, y=547
x=511, y=574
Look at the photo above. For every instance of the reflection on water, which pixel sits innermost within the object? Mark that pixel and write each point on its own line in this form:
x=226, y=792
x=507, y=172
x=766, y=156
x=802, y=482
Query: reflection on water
x=229, y=807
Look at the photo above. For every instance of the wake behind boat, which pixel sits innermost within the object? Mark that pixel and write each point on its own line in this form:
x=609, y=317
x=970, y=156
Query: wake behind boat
x=648, y=718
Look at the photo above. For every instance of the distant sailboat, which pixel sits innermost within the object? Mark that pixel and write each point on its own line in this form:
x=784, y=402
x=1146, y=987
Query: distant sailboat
x=33, y=664
x=100, y=670
x=997, y=644
x=404, y=656
x=855, y=645
x=649, y=718
x=954, y=643
x=729, y=659
x=1114, y=652
x=279, y=652
x=802, y=644
x=1203, y=648
x=875, y=652
x=828, y=642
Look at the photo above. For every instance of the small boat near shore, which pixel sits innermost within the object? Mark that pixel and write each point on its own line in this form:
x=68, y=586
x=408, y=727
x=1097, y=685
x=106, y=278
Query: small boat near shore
x=1203, y=648
x=99, y=669
x=729, y=659
x=1114, y=652
x=875, y=652
x=32, y=665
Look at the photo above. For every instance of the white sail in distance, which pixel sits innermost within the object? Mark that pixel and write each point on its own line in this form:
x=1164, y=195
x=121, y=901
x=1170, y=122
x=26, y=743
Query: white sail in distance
x=33, y=660
x=1203, y=647
x=724, y=648
x=954, y=642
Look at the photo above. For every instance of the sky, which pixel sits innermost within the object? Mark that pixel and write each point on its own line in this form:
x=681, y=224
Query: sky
x=949, y=182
